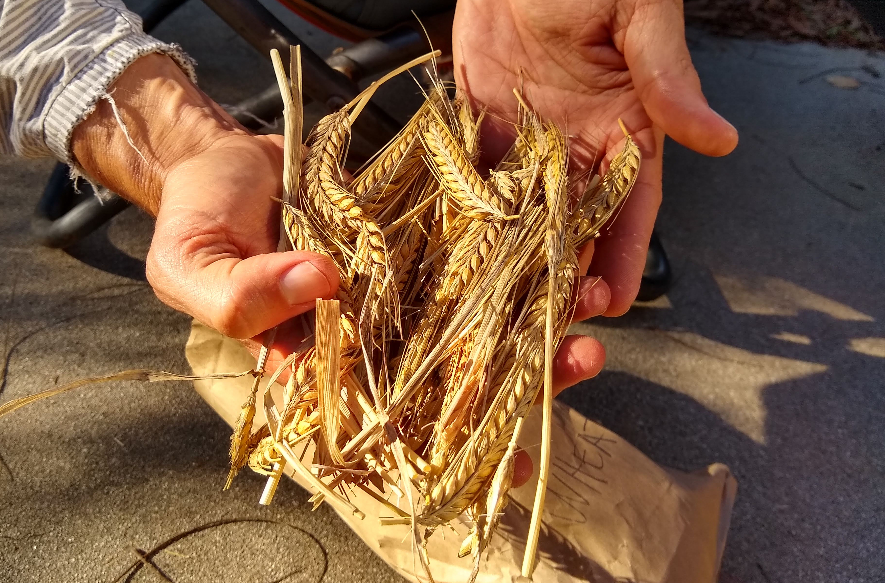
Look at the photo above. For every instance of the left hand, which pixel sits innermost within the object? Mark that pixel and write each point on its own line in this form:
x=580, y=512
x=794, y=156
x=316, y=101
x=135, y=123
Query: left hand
x=584, y=64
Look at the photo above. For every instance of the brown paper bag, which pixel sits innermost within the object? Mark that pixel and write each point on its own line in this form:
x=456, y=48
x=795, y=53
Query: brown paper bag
x=611, y=514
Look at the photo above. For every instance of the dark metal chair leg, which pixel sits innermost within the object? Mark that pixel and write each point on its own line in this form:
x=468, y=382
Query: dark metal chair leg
x=261, y=29
x=380, y=54
x=58, y=223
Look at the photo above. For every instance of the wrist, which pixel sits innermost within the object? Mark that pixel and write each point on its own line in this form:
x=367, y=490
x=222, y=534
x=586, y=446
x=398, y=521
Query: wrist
x=168, y=120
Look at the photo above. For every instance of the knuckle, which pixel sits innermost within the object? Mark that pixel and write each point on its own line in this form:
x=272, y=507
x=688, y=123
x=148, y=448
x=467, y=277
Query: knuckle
x=227, y=315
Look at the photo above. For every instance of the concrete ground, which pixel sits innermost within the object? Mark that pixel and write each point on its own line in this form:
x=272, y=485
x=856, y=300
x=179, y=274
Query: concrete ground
x=767, y=355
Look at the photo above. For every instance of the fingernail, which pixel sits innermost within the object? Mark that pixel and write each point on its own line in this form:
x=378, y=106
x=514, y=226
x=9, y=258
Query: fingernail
x=304, y=283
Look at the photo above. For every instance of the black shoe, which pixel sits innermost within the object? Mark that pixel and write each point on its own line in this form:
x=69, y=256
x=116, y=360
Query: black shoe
x=657, y=276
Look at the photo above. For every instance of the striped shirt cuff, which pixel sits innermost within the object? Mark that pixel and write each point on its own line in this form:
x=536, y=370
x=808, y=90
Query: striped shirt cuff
x=79, y=97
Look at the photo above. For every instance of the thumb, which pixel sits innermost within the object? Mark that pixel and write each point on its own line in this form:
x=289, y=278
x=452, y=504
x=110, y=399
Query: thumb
x=241, y=297
x=666, y=80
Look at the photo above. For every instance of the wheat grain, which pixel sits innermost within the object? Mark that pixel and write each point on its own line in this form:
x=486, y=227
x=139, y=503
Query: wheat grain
x=602, y=198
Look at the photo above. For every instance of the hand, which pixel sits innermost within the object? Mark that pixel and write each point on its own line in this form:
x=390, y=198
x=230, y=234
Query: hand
x=584, y=64
x=211, y=186
x=213, y=252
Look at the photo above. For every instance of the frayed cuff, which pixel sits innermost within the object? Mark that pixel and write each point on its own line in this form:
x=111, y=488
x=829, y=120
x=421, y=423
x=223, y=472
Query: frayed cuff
x=81, y=95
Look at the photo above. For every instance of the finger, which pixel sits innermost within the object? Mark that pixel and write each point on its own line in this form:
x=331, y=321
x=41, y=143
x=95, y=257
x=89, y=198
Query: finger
x=275, y=359
x=667, y=83
x=522, y=468
x=619, y=257
x=238, y=297
x=592, y=298
x=585, y=256
x=579, y=358
x=289, y=338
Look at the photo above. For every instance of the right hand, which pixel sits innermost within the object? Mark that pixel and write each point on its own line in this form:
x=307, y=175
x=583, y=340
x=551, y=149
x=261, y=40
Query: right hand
x=212, y=187
x=213, y=253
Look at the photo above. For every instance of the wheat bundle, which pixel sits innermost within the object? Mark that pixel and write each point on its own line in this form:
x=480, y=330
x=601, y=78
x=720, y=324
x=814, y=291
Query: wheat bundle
x=456, y=290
